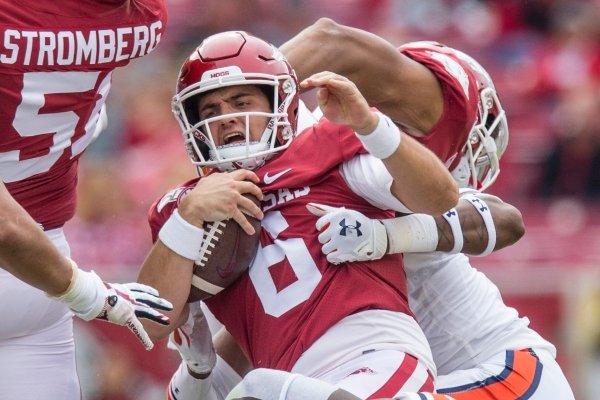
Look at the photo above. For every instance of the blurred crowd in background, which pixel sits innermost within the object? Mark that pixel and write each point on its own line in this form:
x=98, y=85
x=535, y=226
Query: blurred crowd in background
x=544, y=57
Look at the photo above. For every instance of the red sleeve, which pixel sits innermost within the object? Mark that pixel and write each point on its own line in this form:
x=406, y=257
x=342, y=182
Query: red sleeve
x=163, y=207
x=461, y=98
x=349, y=143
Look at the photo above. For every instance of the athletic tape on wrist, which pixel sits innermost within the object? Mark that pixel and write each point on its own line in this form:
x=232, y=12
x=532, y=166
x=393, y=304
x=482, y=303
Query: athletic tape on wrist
x=452, y=217
x=414, y=233
x=86, y=296
x=483, y=209
x=182, y=237
x=74, y=270
x=384, y=140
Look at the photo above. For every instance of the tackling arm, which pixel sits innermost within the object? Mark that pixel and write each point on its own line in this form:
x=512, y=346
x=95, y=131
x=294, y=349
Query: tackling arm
x=476, y=218
x=405, y=90
x=507, y=221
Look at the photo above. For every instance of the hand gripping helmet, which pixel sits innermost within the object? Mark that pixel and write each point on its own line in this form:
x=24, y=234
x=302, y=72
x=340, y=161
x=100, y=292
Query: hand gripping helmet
x=232, y=59
x=480, y=163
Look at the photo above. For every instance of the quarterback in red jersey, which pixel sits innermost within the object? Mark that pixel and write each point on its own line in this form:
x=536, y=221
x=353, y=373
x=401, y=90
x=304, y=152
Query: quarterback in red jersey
x=237, y=103
x=56, y=60
x=465, y=125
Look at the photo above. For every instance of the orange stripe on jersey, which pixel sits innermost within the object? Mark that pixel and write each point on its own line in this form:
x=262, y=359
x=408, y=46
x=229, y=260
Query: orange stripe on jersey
x=399, y=379
x=518, y=381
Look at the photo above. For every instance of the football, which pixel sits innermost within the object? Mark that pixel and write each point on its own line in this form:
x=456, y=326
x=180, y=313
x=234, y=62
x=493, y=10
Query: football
x=226, y=253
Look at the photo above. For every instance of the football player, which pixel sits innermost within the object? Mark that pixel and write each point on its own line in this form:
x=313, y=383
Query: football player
x=440, y=95
x=56, y=61
x=237, y=100
x=447, y=100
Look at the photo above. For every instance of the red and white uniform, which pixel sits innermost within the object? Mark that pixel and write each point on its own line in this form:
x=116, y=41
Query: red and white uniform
x=295, y=311
x=461, y=98
x=56, y=60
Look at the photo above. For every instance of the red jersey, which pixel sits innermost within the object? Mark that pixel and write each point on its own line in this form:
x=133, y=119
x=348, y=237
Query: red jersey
x=461, y=99
x=291, y=295
x=55, y=74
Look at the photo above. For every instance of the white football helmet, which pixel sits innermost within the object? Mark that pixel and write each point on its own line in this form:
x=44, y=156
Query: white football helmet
x=232, y=59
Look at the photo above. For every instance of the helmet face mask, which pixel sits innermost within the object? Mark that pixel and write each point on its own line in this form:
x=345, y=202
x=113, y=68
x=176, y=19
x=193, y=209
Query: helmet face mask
x=480, y=163
x=485, y=145
x=233, y=59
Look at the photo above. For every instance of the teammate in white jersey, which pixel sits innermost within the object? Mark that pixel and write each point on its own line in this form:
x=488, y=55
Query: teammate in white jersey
x=56, y=60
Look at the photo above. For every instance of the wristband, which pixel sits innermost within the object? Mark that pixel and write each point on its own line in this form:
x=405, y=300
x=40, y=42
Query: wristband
x=414, y=233
x=182, y=237
x=451, y=216
x=483, y=209
x=384, y=140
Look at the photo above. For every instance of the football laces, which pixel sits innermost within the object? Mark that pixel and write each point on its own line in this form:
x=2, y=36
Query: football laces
x=212, y=232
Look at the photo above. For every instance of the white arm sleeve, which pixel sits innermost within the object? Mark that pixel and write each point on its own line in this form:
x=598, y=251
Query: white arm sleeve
x=367, y=177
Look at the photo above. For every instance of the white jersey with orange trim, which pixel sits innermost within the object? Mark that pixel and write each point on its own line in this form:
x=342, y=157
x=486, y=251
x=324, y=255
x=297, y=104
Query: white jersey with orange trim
x=463, y=333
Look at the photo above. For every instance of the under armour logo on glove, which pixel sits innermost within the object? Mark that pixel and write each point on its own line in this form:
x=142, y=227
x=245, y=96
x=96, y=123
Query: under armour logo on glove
x=346, y=228
x=364, y=240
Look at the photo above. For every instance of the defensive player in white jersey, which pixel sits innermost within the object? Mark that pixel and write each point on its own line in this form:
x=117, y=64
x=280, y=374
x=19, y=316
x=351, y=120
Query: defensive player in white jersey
x=481, y=347
x=56, y=60
x=237, y=103
x=444, y=97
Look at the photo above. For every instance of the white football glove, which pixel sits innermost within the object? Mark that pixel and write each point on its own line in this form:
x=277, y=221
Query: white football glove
x=348, y=235
x=193, y=340
x=122, y=304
